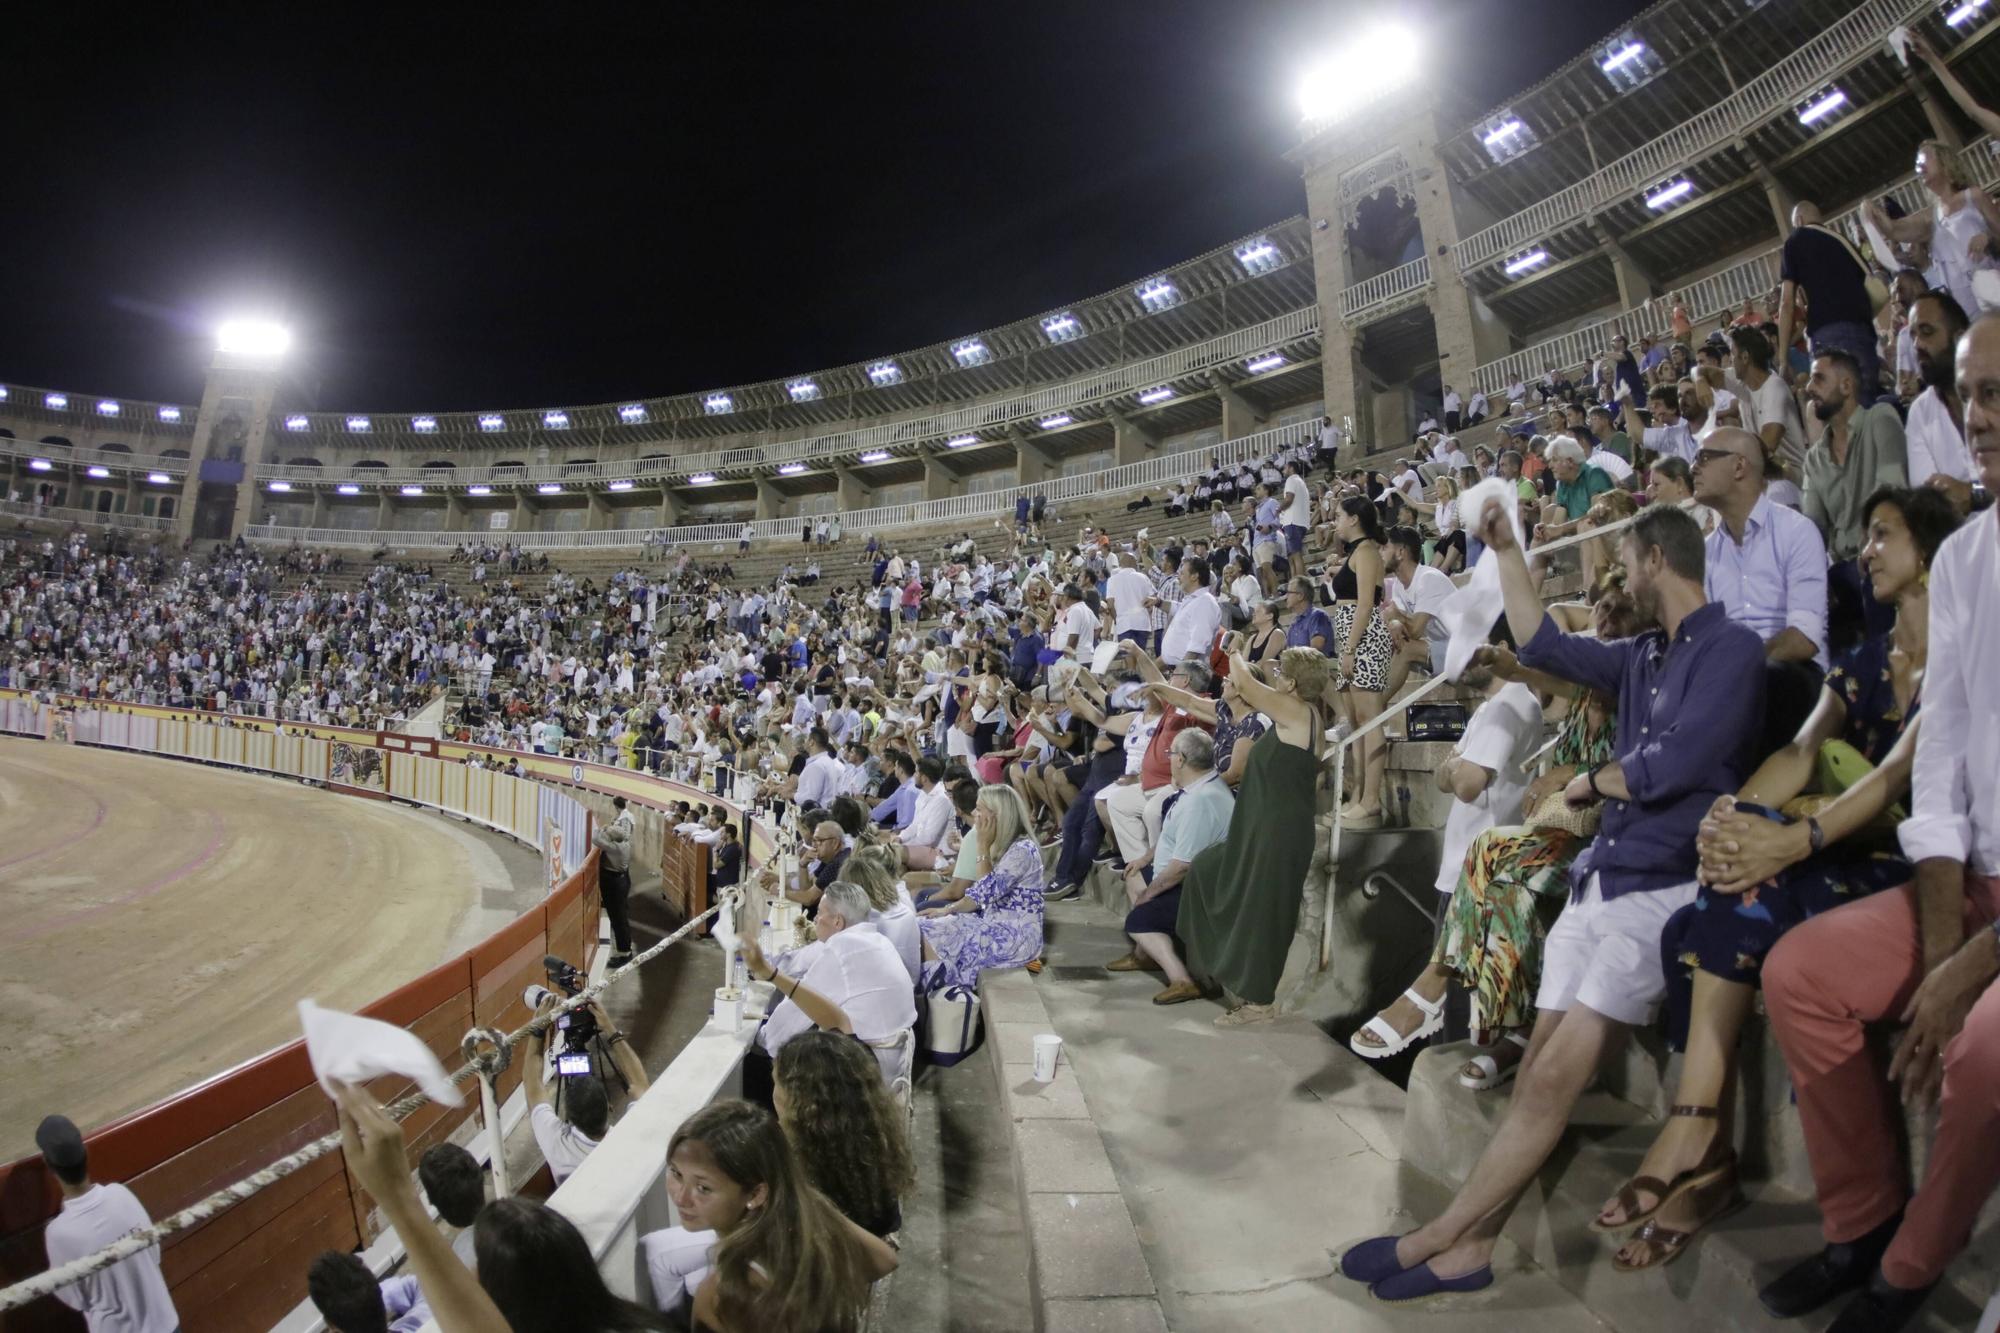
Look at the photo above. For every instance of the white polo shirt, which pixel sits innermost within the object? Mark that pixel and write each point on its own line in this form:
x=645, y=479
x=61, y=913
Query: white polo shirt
x=563, y=1145
x=1504, y=733
x=1129, y=589
x=1081, y=621
x=128, y=1297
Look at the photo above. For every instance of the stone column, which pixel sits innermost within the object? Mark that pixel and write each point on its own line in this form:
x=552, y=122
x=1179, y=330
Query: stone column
x=385, y=509
x=770, y=500
x=1131, y=442
x=1635, y=285
x=236, y=396
x=598, y=516
x=319, y=507
x=1239, y=415
x=853, y=492
x=940, y=482
x=455, y=515
x=670, y=507
x=1032, y=465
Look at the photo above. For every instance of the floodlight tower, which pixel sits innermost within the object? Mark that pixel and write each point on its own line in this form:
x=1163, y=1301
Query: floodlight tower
x=231, y=430
x=1370, y=124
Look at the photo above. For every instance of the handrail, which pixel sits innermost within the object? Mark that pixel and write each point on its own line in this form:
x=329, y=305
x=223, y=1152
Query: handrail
x=89, y=518
x=1383, y=288
x=76, y=456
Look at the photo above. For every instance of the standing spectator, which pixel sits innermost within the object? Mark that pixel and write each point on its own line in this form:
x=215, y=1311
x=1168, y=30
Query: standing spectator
x=614, y=878
x=128, y=1297
x=1265, y=537
x=1297, y=515
x=1361, y=652
x=1128, y=595
x=1839, y=313
x=1416, y=594
x=1197, y=616
x=1958, y=228
x=1452, y=407
x=1476, y=410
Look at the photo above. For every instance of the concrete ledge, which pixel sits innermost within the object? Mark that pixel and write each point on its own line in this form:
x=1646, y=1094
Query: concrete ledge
x=1086, y=1271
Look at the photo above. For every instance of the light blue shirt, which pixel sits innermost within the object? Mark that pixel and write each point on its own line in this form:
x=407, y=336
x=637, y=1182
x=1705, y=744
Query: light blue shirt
x=1776, y=578
x=1199, y=820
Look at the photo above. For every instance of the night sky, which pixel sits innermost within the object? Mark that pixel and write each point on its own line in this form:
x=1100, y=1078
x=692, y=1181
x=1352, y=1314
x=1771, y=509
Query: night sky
x=471, y=207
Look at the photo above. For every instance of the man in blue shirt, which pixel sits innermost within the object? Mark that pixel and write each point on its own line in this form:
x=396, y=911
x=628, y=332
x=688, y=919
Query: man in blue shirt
x=1026, y=659
x=1690, y=705
x=1308, y=626
x=896, y=809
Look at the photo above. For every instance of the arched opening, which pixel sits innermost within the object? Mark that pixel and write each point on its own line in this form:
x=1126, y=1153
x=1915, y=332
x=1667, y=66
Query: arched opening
x=304, y=462
x=114, y=448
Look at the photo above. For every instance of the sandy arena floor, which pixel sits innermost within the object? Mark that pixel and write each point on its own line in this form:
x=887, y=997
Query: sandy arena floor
x=160, y=919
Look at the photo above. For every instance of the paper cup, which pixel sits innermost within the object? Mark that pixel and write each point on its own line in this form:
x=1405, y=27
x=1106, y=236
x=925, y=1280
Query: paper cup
x=1048, y=1048
x=728, y=1007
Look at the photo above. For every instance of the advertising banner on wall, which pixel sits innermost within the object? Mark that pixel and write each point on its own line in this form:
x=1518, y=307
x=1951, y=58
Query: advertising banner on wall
x=552, y=852
x=361, y=767
x=61, y=725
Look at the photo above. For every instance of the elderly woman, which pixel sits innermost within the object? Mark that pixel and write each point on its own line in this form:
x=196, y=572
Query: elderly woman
x=998, y=922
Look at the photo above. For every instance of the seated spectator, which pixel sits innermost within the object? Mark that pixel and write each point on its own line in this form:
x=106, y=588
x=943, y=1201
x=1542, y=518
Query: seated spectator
x=922, y=842
x=1670, y=435
x=891, y=909
x=349, y=1299
x=130, y=1294
x=826, y=854
x=1607, y=509
x=1487, y=779
x=1934, y=432
x=1859, y=451
x=541, y=1275
x=1416, y=594
x=567, y=1139
x=849, y=1133
x=1578, y=484
x=997, y=923
x=1671, y=482
x=1197, y=819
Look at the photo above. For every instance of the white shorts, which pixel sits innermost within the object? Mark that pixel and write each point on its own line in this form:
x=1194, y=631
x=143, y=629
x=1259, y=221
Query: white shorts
x=1266, y=553
x=1606, y=955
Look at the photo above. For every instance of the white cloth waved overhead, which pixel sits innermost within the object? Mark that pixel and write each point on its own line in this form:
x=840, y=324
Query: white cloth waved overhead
x=1469, y=613
x=347, y=1048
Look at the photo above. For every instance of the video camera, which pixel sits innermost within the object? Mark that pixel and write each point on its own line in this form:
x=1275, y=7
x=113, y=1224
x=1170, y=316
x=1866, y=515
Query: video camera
x=578, y=1027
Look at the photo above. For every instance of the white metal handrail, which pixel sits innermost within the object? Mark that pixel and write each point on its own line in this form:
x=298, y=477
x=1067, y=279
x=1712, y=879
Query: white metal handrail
x=1383, y=288
x=1843, y=43
x=78, y=457
x=88, y=518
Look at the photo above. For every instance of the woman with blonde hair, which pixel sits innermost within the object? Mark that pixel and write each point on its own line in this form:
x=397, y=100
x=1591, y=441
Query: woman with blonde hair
x=1240, y=900
x=1960, y=225
x=872, y=869
x=997, y=922
x=1442, y=509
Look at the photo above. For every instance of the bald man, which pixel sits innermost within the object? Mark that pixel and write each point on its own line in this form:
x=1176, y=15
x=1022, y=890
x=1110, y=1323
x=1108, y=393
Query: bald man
x=1838, y=312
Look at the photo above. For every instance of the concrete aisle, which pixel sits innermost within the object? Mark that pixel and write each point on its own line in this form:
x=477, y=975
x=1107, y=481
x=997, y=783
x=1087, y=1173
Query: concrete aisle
x=1250, y=1158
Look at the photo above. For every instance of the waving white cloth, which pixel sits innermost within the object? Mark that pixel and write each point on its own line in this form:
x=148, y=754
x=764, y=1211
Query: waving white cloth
x=1469, y=613
x=348, y=1048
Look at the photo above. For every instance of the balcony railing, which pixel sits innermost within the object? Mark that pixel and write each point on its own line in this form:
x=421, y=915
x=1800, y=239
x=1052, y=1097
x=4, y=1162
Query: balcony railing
x=1779, y=88
x=63, y=453
x=88, y=518
x=1372, y=295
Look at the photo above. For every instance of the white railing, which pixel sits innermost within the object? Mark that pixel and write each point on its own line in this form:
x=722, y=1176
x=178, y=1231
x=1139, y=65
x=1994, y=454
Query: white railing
x=1851, y=39
x=1084, y=486
x=63, y=453
x=1385, y=288
x=88, y=518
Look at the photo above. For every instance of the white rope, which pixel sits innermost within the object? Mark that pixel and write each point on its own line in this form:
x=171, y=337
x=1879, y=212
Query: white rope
x=47, y=1283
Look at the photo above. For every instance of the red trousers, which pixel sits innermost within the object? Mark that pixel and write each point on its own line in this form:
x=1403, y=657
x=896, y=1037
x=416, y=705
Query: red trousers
x=1828, y=977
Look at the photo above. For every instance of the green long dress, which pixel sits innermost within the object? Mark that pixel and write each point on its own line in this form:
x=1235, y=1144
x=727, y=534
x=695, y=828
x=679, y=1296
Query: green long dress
x=1240, y=901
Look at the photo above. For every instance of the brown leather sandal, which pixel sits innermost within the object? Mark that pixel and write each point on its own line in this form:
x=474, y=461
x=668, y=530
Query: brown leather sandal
x=1626, y=1200
x=1715, y=1194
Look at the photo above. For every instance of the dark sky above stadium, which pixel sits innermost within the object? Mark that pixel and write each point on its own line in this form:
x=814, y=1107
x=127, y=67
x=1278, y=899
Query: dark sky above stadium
x=463, y=207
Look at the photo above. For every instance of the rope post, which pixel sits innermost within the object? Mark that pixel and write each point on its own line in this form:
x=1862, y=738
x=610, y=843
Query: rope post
x=487, y=1052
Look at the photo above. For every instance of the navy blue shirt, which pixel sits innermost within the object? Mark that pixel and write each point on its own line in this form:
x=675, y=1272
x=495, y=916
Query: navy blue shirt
x=1026, y=659
x=1689, y=716
x=1299, y=634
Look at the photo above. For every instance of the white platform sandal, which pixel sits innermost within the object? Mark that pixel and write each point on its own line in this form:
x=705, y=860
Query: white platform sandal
x=1393, y=1042
x=1491, y=1075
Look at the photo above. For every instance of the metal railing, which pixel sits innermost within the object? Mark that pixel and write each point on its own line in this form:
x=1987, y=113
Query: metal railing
x=1845, y=42
x=76, y=457
x=1386, y=288
x=88, y=518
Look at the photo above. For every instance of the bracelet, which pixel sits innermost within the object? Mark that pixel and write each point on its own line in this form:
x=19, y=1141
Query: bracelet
x=615, y=1038
x=1591, y=779
x=1815, y=835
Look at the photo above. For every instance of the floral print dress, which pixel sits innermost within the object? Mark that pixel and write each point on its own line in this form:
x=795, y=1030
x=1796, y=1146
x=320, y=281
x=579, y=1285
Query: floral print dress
x=1006, y=931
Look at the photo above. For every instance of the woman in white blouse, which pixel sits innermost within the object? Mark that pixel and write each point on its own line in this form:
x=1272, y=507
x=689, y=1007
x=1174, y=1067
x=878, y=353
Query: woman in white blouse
x=1959, y=226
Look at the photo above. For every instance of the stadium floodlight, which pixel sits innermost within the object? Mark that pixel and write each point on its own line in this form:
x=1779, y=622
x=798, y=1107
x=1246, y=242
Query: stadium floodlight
x=792, y=469
x=413, y=490
x=296, y=422
x=479, y=490
x=555, y=420
x=1257, y=365
x=701, y=479
x=971, y=352
x=279, y=486
x=620, y=486
x=492, y=421
x=1159, y=395
x=1521, y=263
x=1383, y=60
x=347, y=488
x=875, y=456
x=424, y=425
x=1059, y=419
x=1501, y=133
x=1157, y=294
x=962, y=441
x=168, y=413
x=56, y=402
x=107, y=407
x=632, y=414
x=3, y=395
x=1822, y=106
x=1062, y=328
x=549, y=488
x=100, y=473
x=885, y=373
x=1668, y=193
x=1506, y=136
x=718, y=404
x=253, y=337
x=1259, y=256
x=40, y=465
x=802, y=391
x=158, y=478
x=1958, y=13
x=359, y=425
x=1623, y=56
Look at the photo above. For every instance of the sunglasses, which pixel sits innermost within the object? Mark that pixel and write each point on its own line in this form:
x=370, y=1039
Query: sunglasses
x=1710, y=455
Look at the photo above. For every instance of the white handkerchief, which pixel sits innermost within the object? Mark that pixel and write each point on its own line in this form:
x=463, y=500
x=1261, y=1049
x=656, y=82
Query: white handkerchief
x=1102, y=656
x=1469, y=613
x=1899, y=44
x=348, y=1048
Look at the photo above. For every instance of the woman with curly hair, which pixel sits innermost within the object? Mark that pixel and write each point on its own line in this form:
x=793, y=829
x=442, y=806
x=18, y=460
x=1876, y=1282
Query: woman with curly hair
x=846, y=1128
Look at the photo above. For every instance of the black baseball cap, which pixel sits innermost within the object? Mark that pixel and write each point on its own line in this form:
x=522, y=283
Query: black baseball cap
x=61, y=1143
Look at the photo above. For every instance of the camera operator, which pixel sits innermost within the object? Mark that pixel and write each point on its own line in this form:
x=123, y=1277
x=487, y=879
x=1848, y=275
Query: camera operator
x=567, y=1139
x=614, y=879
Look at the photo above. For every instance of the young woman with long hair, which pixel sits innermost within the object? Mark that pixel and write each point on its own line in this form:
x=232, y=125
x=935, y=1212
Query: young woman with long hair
x=847, y=1130
x=535, y=1265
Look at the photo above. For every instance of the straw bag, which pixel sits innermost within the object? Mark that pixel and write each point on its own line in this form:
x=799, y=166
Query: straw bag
x=1553, y=812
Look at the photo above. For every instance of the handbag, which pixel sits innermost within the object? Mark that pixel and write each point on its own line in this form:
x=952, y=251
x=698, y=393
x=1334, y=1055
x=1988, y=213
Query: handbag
x=1878, y=290
x=1437, y=722
x=1554, y=812
x=949, y=1019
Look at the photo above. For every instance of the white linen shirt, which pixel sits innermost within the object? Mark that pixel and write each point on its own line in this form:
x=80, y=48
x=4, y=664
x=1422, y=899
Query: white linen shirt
x=930, y=819
x=1934, y=442
x=128, y=1297
x=1130, y=590
x=1955, y=805
x=1192, y=630
x=860, y=971
x=1502, y=736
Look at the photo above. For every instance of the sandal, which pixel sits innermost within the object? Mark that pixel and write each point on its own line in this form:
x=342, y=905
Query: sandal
x=1490, y=1074
x=1626, y=1200
x=1715, y=1195
x=1394, y=1042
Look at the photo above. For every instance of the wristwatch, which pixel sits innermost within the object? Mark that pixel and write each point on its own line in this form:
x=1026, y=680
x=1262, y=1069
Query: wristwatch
x=1592, y=780
x=1815, y=835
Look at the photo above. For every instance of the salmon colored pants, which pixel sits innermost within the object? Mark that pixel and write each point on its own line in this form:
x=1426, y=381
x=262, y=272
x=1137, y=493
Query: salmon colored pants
x=1823, y=982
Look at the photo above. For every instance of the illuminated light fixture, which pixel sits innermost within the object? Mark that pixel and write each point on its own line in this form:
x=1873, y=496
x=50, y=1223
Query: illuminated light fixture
x=792, y=469
x=280, y=486
x=3, y=395
x=1259, y=256
x=875, y=456
x=1669, y=193
x=555, y=420
x=424, y=425
x=632, y=413
x=549, y=488
x=1059, y=419
x=98, y=472
x=1157, y=294
x=802, y=391
x=971, y=352
x=1257, y=365
x=492, y=421
x=56, y=402
x=296, y=423
x=1520, y=264
x=107, y=407
x=718, y=404
x=413, y=490
x=158, y=478
x=166, y=413
x=1500, y=134
x=1821, y=107
x=252, y=337
x=1159, y=395
x=964, y=441
x=1958, y=15
x=884, y=373
x=1062, y=328
x=1622, y=57
x=701, y=479
x=1383, y=60
x=359, y=425
x=40, y=465
x=479, y=490
x=347, y=488
x=621, y=486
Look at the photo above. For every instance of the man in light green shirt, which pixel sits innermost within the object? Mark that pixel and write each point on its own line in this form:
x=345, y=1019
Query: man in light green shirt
x=1860, y=450
x=1198, y=819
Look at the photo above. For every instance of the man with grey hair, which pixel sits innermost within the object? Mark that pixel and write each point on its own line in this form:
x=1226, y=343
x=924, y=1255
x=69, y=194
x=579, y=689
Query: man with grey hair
x=1578, y=484
x=1135, y=810
x=1198, y=818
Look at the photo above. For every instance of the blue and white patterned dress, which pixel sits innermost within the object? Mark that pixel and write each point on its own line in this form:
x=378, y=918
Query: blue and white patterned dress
x=1006, y=931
